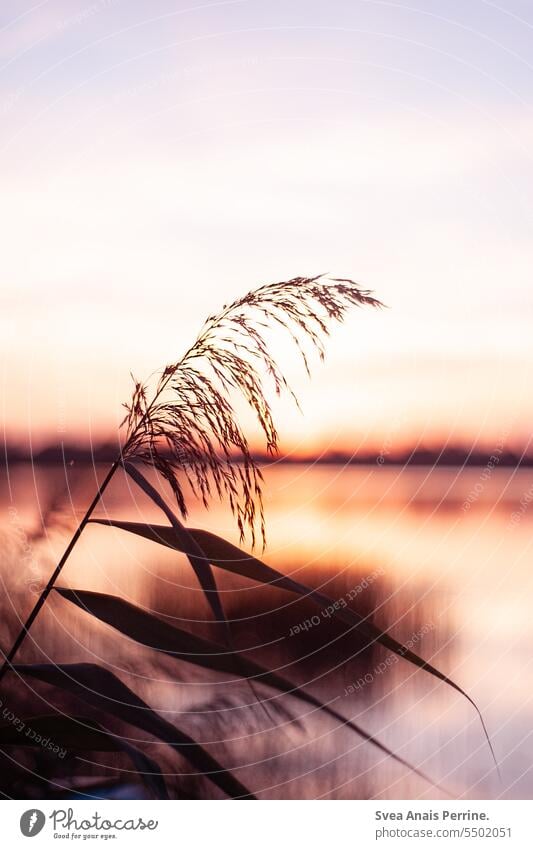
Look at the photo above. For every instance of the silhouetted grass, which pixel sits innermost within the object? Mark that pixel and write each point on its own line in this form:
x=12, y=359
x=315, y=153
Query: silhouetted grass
x=184, y=426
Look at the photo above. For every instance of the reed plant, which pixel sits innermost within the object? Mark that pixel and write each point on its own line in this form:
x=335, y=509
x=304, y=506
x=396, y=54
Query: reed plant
x=183, y=425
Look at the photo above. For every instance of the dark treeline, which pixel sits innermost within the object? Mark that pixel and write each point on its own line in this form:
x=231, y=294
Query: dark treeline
x=451, y=455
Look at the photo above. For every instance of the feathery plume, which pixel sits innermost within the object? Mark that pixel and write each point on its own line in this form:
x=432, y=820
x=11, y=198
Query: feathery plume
x=188, y=426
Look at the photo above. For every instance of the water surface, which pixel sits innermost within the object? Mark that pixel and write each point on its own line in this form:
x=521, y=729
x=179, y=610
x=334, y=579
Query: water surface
x=439, y=557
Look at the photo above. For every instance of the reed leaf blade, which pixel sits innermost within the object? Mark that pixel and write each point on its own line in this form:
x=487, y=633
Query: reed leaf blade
x=225, y=555
x=154, y=633
x=79, y=733
x=100, y=688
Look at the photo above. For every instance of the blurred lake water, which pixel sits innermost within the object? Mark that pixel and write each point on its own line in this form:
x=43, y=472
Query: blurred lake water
x=440, y=557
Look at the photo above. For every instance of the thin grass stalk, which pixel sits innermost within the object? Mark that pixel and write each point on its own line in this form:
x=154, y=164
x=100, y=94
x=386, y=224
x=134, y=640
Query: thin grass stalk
x=57, y=571
x=117, y=463
x=10, y=656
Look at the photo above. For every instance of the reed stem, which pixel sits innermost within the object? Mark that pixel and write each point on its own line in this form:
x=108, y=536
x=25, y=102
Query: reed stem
x=57, y=571
x=53, y=578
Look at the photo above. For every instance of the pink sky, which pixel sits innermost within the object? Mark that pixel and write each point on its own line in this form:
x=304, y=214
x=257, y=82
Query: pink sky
x=159, y=161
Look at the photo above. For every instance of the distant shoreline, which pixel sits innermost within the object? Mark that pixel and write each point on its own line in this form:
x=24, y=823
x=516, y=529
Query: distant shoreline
x=451, y=457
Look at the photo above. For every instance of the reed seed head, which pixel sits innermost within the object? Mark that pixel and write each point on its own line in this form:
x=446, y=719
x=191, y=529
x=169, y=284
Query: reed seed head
x=185, y=425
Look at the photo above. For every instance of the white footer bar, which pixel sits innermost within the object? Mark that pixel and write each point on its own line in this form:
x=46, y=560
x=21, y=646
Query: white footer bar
x=267, y=825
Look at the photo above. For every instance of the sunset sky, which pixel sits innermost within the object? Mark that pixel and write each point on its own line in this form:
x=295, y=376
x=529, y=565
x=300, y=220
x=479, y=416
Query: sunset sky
x=159, y=159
